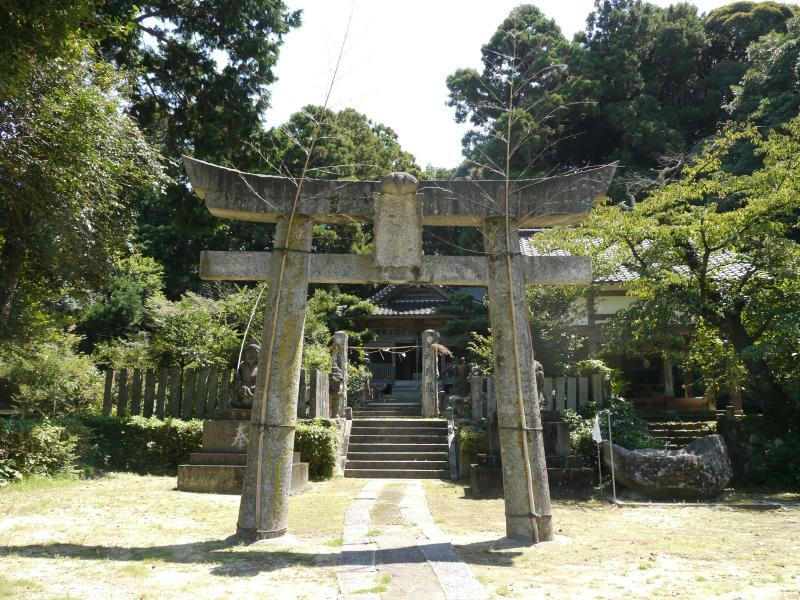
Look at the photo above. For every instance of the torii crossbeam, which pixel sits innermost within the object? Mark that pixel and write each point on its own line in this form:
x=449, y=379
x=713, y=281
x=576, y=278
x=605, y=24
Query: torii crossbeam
x=398, y=207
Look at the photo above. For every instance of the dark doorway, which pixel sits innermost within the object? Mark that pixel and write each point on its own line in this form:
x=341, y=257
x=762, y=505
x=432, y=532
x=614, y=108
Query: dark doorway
x=406, y=366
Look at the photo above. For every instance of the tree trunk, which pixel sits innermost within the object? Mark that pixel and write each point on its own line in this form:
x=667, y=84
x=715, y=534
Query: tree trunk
x=761, y=384
x=12, y=262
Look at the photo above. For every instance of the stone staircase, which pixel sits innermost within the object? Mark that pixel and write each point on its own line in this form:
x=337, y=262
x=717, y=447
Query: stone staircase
x=677, y=434
x=391, y=440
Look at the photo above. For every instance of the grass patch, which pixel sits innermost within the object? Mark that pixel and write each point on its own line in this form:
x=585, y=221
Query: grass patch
x=106, y=536
x=641, y=552
x=14, y=588
x=381, y=586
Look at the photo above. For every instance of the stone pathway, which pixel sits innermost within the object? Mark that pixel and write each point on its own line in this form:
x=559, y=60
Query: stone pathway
x=392, y=549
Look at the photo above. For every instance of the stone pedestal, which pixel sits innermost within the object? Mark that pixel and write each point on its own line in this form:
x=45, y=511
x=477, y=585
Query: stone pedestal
x=220, y=465
x=566, y=475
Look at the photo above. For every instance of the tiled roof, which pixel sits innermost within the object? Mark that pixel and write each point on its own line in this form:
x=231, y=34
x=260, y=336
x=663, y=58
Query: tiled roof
x=409, y=307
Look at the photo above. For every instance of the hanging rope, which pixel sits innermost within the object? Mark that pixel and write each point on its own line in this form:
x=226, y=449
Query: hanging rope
x=282, y=270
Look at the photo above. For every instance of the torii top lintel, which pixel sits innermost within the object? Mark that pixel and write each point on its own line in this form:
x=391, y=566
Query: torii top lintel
x=243, y=196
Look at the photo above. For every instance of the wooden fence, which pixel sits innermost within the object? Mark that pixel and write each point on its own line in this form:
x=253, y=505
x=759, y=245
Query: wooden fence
x=193, y=393
x=560, y=393
x=167, y=392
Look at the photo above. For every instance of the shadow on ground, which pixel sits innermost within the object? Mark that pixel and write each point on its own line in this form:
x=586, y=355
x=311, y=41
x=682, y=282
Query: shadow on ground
x=233, y=558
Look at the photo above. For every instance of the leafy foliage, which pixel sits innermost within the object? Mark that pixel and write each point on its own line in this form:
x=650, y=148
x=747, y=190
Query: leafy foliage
x=37, y=30
x=120, y=306
x=46, y=376
x=466, y=314
x=69, y=159
x=317, y=441
x=202, y=73
x=769, y=91
x=472, y=440
x=31, y=447
x=523, y=82
x=627, y=428
x=135, y=444
x=714, y=249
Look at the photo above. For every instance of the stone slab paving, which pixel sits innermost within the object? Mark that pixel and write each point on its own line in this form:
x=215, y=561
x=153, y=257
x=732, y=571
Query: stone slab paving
x=357, y=560
x=389, y=533
x=455, y=577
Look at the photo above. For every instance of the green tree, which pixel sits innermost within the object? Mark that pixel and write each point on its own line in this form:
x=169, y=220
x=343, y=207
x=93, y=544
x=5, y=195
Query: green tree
x=36, y=31
x=642, y=63
x=466, y=314
x=730, y=30
x=553, y=311
x=120, y=306
x=329, y=311
x=70, y=158
x=523, y=80
x=348, y=146
x=714, y=251
x=769, y=91
x=202, y=76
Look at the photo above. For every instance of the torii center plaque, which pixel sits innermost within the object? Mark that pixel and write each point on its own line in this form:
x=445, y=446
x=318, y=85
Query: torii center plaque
x=398, y=207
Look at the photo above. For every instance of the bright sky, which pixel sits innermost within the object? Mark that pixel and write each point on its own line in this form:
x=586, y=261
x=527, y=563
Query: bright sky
x=397, y=57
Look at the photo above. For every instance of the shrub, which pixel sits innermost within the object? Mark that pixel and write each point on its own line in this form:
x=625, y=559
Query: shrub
x=48, y=377
x=30, y=447
x=317, y=440
x=137, y=444
x=133, y=444
x=627, y=428
x=777, y=466
x=472, y=440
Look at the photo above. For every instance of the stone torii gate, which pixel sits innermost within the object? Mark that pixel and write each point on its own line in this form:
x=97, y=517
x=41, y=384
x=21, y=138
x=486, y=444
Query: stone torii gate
x=398, y=207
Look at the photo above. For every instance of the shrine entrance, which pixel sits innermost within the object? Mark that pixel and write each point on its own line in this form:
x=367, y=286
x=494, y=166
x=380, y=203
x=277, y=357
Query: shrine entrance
x=398, y=208
x=407, y=365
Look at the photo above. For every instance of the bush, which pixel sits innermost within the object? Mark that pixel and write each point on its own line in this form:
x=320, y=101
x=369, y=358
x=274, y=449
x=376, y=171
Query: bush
x=48, y=377
x=777, y=465
x=30, y=447
x=762, y=455
x=627, y=428
x=317, y=441
x=136, y=444
x=472, y=440
x=133, y=444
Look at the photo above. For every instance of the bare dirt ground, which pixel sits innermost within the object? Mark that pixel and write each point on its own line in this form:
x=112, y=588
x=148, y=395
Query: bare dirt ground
x=603, y=551
x=124, y=536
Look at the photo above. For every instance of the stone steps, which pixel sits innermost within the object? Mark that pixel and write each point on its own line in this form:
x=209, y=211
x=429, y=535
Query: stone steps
x=396, y=439
x=400, y=414
x=419, y=465
x=677, y=434
x=396, y=474
x=391, y=429
x=415, y=448
x=397, y=456
x=392, y=440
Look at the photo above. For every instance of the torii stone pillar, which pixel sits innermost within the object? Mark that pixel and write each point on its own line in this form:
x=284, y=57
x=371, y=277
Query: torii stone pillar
x=264, y=511
x=527, y=492
x=398, y=209
x=429, y=399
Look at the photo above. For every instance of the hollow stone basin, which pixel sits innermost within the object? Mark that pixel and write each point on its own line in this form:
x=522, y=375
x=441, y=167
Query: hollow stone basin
x=700, y=470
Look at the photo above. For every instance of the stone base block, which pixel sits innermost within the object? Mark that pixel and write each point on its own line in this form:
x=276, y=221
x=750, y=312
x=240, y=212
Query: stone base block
x=228, y=479
x=565, y=483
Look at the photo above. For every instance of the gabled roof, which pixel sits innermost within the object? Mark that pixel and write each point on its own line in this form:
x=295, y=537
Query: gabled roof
x=398, y=300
